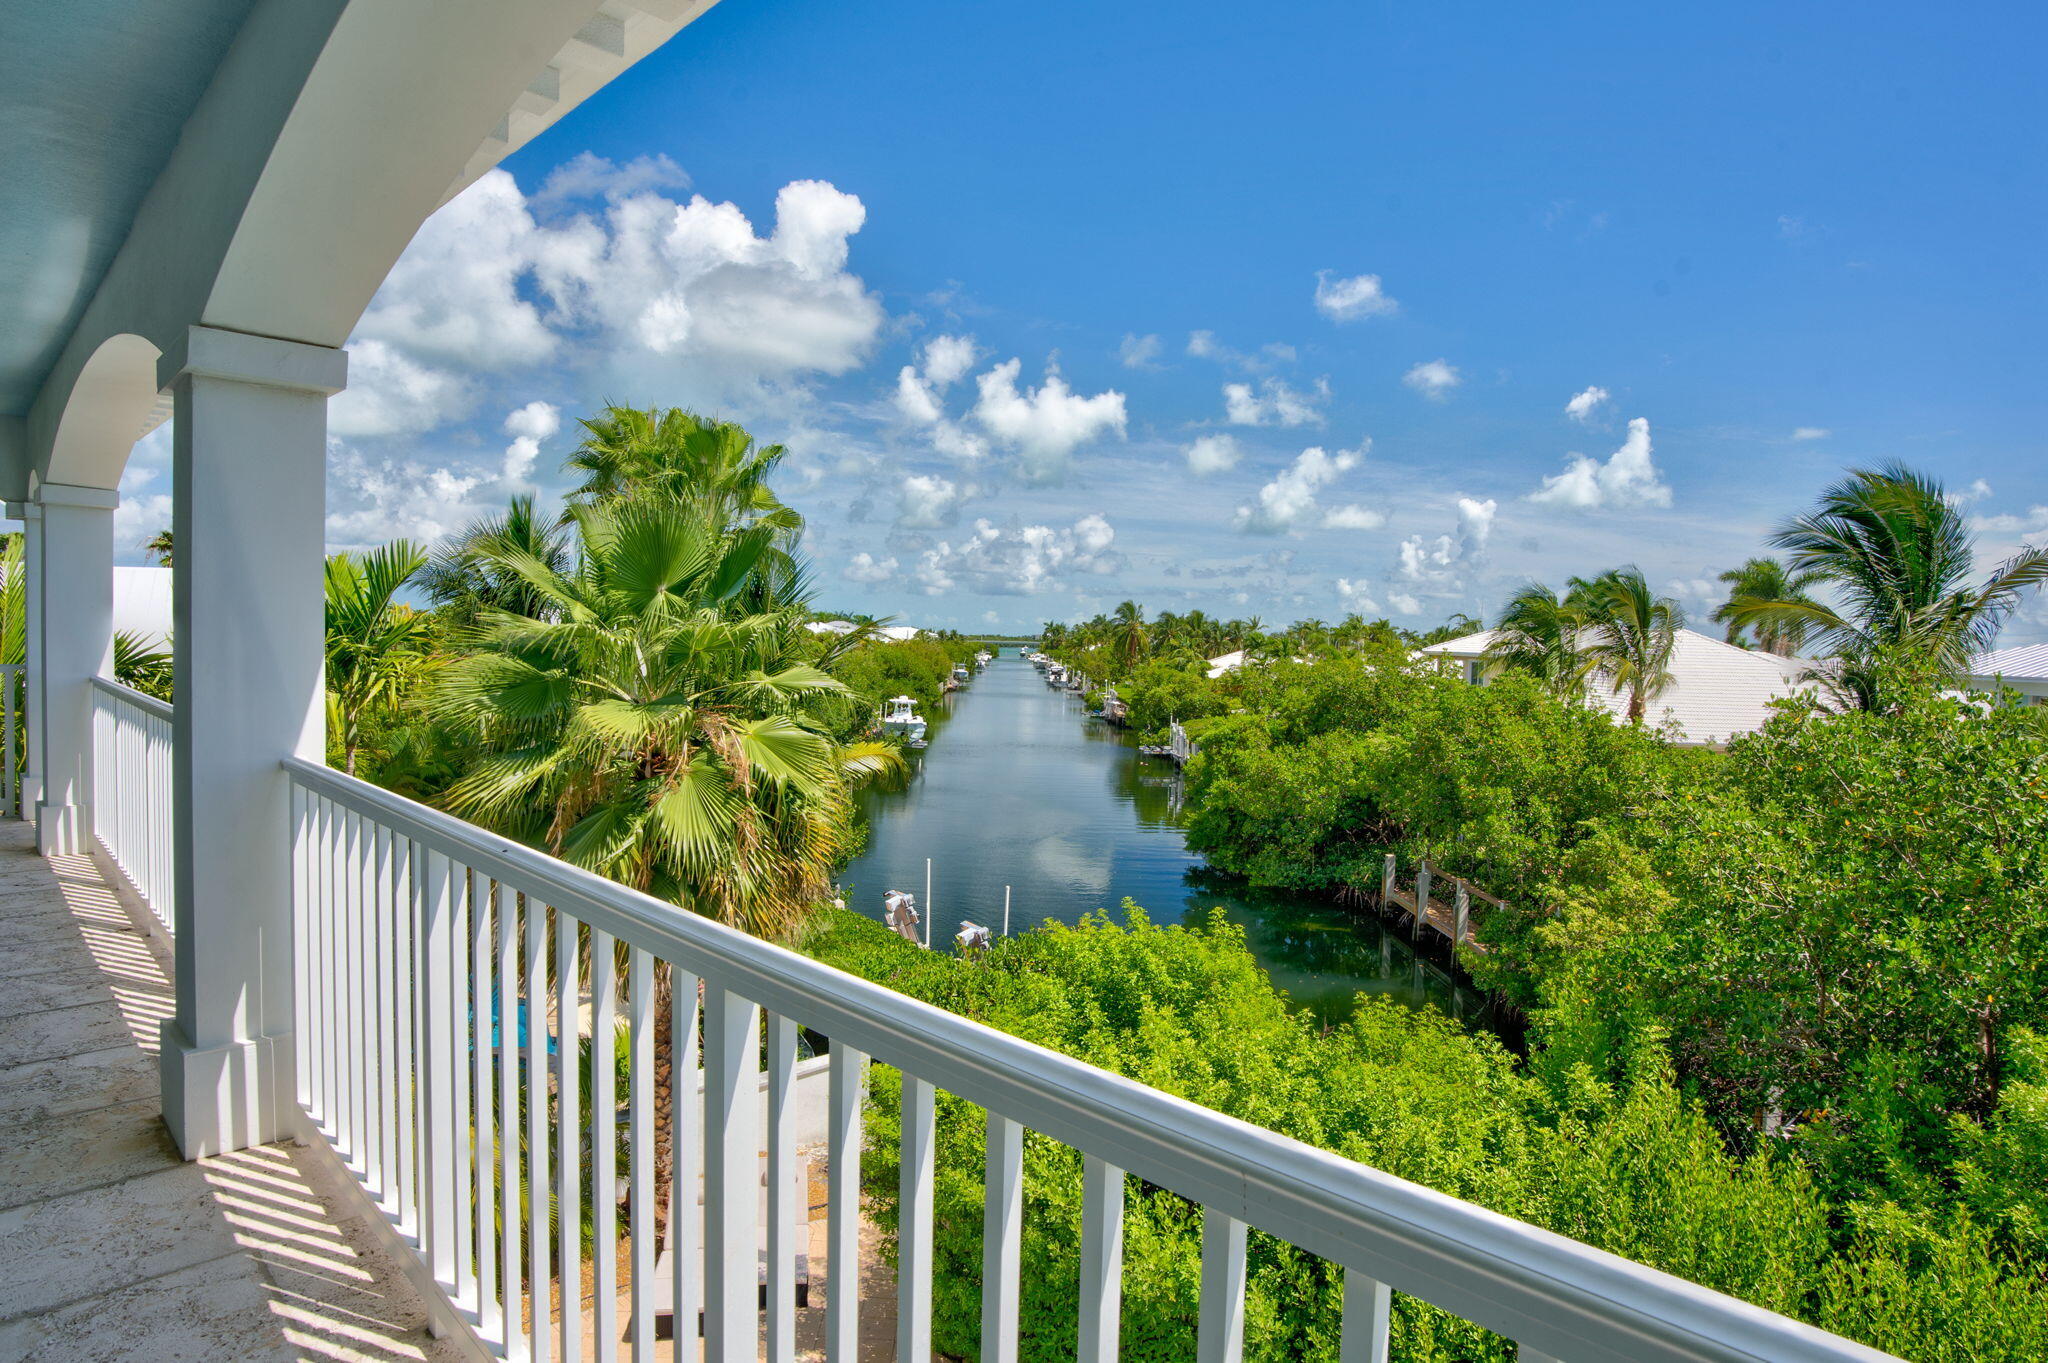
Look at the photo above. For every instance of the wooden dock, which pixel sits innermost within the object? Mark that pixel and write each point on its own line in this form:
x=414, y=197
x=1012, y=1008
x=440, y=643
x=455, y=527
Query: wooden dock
x=1454, y=921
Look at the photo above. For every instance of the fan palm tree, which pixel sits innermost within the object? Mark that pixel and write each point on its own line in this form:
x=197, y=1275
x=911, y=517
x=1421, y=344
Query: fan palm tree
x=375, y=643
x=160, y=547
x=468, y=574
x=1897, y=555
x=1766, y=579
x=1540, y=633
x=144, y=665
x=1631, y=633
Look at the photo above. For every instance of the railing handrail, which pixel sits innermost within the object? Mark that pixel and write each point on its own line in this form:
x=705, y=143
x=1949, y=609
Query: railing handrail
x=148, y=704
x=1568, y=1299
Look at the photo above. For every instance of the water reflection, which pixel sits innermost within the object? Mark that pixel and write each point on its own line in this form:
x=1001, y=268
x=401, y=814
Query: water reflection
x=1018, y=788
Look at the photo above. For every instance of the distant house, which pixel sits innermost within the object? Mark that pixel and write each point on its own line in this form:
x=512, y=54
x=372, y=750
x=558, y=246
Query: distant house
x=1225, y=665
x=1717, y=691
x=2023, y=669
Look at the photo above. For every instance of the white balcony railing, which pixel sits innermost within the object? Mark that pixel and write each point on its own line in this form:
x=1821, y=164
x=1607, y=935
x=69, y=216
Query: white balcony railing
x=440, y=971
x=131, y=808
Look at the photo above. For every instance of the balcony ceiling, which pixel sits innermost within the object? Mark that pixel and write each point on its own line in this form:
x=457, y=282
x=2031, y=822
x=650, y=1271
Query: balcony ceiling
x=93, y=96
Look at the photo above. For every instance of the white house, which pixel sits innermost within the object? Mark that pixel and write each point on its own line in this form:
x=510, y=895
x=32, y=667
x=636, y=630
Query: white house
x=2023, y=669
x=1718, y=691
x=895, y=634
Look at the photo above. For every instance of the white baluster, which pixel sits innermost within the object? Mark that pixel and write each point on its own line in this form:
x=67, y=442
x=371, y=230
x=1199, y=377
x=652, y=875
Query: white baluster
x=1222, y=1318
x=1102, y=1259
x=731, y=1172
x=842, y=1214
x=507, y=1229
x=783, y=1192
x=483, y=1113
x=405, y=919
x=438, y=929
x=686, y=1139
x=1368, y=1313
x=604, y=1145
x=914, y=1223
x=640, y=1147
x=568, y=1117
x=537, y=1186
x=1002, y=1239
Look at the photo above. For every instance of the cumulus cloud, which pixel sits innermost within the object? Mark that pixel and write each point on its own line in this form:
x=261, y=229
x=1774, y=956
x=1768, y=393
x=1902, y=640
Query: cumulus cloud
x=1440, y=562
x=1017, y=561
x=915, y=401
x=927, y=500
x=918, y=397
x=1358, y=596
x=1977, y=491
x=1434, y=379
x=590, y=176
x=865, y=567
x=1046, y=424
x=1139, y=352
x=1289, y=501
x=687, y=288
x=1585, y=405
x=1352, y=299
x=389, y=393
x=1404, y=604
x=1211, y=454
x=528, y=426
x=1353, y=518
x=1204, y=346
x=1629, y=478
x=1274, y=403
x=1812, y=433
x=372, y=500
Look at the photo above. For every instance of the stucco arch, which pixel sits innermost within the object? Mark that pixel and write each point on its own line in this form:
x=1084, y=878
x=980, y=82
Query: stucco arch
x=112, y=404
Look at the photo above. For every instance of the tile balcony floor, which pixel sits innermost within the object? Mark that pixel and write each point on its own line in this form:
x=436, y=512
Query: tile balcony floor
x=111, y=1247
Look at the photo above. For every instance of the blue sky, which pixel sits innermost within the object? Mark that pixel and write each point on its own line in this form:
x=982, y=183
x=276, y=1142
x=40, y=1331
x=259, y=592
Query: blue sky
x=1757, y=244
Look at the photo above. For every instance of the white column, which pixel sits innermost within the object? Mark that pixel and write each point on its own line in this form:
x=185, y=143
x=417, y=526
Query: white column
x=248, y=512
x=72, y=590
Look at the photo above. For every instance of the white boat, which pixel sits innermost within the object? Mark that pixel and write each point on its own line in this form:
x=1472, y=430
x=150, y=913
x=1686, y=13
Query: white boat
x=960, y=672
x=902, y=715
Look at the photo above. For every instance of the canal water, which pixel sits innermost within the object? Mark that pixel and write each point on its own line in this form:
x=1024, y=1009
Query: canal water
x=1020, y=788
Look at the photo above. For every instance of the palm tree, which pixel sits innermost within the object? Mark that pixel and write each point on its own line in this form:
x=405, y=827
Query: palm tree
x=1127, y=632
x=669, y=452
x=1897, y=555
x=468, y=574
x=1766, y=579
x=142, y=664
x=159, y=546
x=374, y=642
x=1540, y=632
x=1631, y=634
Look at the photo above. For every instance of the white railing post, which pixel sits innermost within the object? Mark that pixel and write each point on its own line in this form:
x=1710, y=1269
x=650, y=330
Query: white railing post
x=842, y=1306
x=732, y=1039
x=1002, y=1239
x=438, y=1226
x=1368, y=1318
x=1102, y=1259
x=916, y=1173
x=783, y=1190
x=1220, y=1336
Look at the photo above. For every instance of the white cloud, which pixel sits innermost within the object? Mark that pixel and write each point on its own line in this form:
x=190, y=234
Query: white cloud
x=947, y=360
x=927, y=500
x=1629, y=478
x=1434, y=379
x=1046, y=424
x=1404, y=604
x=590, y=176
x=1812, y=433
x=372, y=500
x=1439, y=562
x=1212, y=454
x=390, y=393
x=865, y=567
x=1976, y=492
x=1289, y=501
x=1022, y=560
x=1353, y=518
x=657, y=288
x=141, y=513
x=1139, y=352
x=1274, y=403
x=1358, y=596
x=914, y=398
x=1585, y=405
x=1203, y=345
x=528, y=426
x=1352, y=299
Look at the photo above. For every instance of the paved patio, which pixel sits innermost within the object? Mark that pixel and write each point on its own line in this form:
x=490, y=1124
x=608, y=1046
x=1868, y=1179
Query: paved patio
x=111, y=1247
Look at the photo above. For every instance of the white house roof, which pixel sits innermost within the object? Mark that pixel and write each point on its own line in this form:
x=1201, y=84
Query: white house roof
x=1229, y=662
x=142, y=603
x=2029, y=662
x=1717, y=691
x=893, y=633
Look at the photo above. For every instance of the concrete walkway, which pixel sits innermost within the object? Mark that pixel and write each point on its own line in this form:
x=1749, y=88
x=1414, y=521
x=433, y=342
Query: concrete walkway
x=111, y=1247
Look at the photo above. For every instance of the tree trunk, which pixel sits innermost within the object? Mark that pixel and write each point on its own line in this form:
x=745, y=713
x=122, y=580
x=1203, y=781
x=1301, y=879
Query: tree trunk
x=664, y=1096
